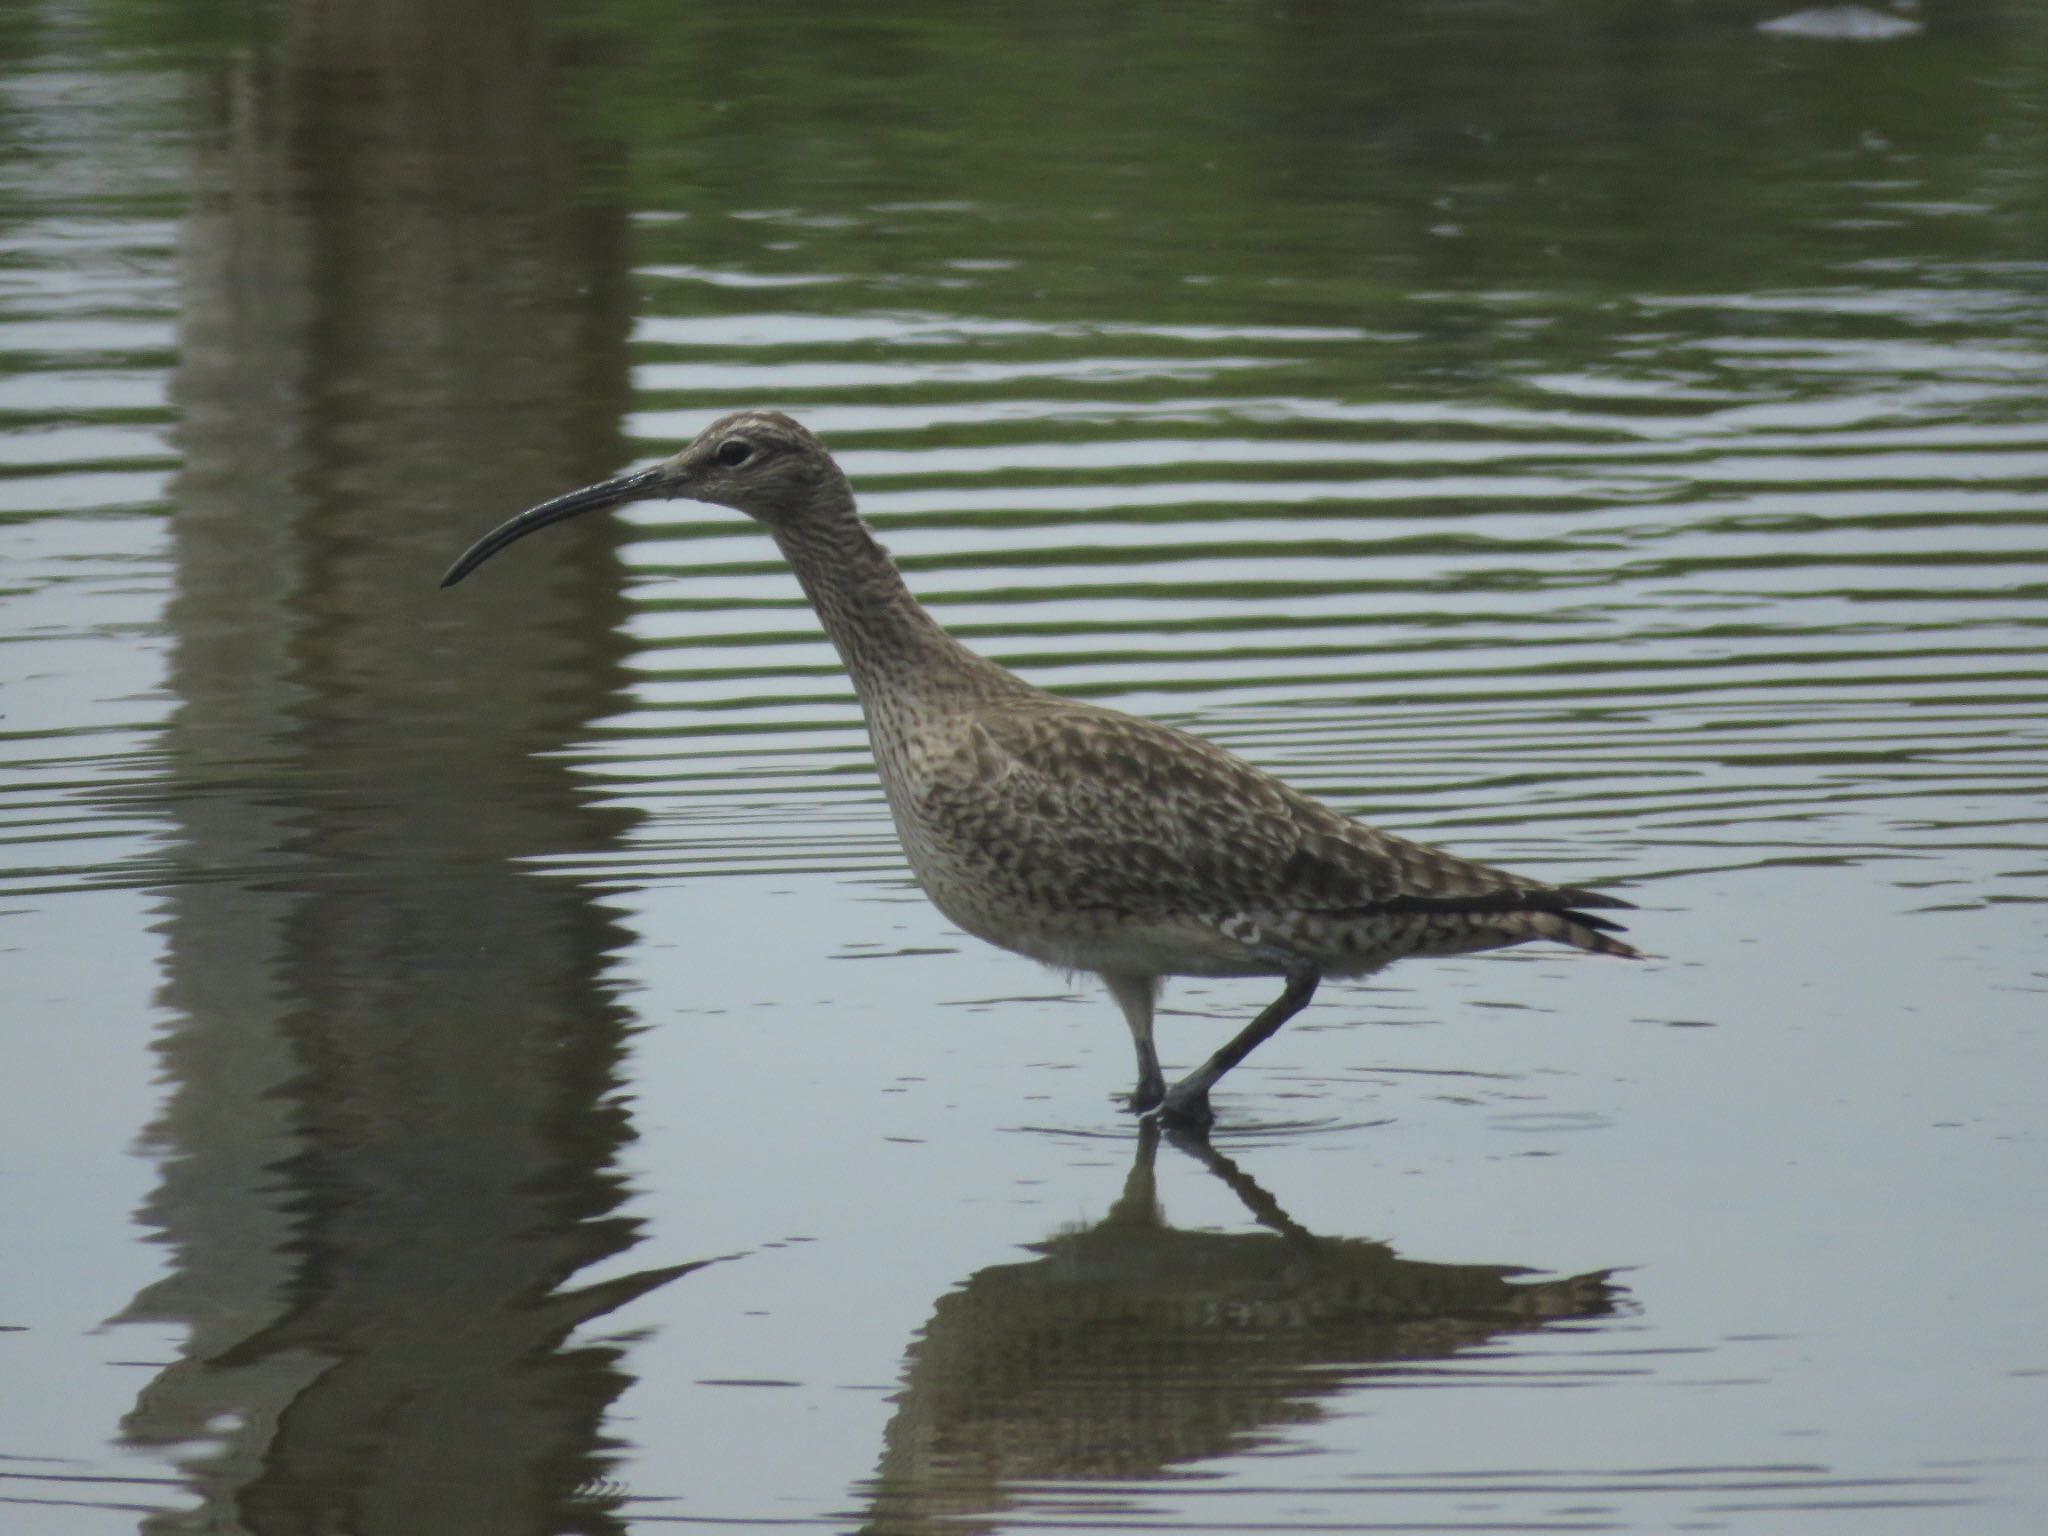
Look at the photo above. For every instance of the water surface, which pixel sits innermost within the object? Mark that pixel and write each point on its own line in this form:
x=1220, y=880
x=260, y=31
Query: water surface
x=438, y=1094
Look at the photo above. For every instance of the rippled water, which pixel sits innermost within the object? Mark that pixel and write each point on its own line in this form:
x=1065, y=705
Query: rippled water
x=1669, y=591
x=434, y=1092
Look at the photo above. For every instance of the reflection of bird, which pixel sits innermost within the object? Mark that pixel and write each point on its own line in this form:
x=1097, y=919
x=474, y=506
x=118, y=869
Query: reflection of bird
x=1129, y=1348
x=1081, y=837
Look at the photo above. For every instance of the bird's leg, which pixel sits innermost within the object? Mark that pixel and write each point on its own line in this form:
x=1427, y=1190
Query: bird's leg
x=1186, y=1103
x=1136, y=995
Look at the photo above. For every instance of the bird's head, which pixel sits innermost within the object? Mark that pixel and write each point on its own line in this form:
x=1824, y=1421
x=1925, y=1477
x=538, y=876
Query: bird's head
x=761, y=463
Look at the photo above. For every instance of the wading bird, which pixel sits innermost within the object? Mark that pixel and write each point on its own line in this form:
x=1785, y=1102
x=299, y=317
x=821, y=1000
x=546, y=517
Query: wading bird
x=1081, y=837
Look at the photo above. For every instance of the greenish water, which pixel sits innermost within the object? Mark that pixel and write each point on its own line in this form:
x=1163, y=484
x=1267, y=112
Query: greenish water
x=1608, y=439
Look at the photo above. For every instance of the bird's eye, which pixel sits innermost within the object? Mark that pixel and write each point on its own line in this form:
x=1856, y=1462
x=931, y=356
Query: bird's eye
x=734, y=451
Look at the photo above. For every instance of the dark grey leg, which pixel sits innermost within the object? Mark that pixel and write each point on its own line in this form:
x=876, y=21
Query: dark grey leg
x=1187, y=1102
x=1136, y=996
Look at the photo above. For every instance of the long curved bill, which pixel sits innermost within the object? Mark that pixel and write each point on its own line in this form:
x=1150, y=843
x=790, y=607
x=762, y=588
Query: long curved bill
x=606, y=493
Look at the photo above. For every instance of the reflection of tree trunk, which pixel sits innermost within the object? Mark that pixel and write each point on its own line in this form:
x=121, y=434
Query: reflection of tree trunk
x=1129, y=1348
x=390, y=1129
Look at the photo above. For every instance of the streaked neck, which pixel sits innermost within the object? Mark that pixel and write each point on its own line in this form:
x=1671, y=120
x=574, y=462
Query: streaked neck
x=891, y=646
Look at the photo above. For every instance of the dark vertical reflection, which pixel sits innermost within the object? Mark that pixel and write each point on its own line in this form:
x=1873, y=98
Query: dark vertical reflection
x=1130, y=1347
x=392, y=1118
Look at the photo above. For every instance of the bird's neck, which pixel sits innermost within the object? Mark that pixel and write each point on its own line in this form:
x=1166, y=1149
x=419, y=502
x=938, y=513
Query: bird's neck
x=891, y=647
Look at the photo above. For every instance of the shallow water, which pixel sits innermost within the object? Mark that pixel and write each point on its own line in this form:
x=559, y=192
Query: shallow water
x=437, y=1096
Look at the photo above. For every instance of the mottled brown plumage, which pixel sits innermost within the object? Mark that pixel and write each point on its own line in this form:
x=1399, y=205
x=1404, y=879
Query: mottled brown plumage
x=1088, y=839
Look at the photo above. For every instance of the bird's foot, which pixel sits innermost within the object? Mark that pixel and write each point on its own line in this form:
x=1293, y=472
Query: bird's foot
x=1148, y=1095
x=1181, y=1110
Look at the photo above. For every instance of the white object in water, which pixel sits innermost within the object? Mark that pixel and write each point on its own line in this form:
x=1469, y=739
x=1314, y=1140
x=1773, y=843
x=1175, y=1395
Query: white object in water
x=1843, y=24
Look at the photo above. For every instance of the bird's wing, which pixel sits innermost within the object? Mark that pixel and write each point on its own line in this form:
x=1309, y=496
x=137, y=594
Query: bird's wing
x=1097, y=809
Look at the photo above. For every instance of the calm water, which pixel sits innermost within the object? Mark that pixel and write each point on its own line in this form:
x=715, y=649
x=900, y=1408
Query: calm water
x=435, y=1092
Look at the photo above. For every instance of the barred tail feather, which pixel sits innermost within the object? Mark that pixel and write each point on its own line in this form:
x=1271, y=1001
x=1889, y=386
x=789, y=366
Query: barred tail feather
x=1543, y=912
x=1581, y=932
